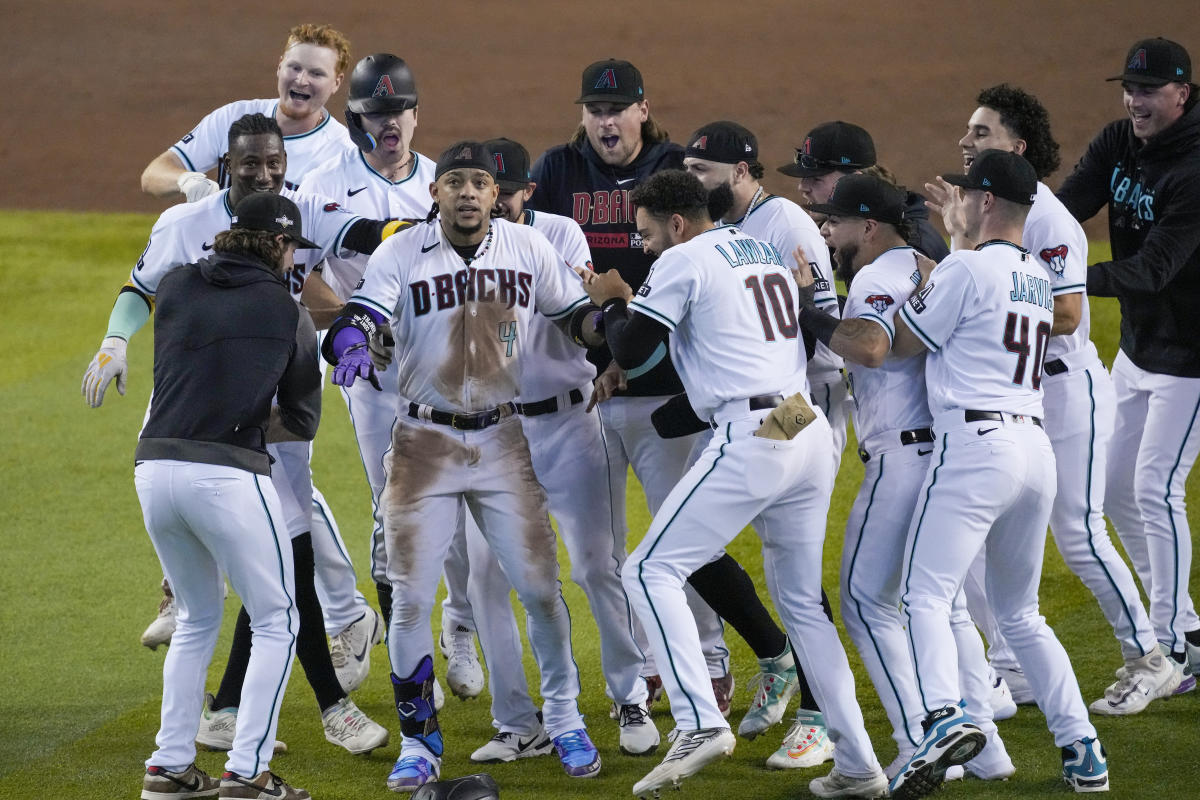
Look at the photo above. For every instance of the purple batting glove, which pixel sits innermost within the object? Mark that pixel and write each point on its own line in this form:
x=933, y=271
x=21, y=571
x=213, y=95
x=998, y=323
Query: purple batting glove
x=355, y=363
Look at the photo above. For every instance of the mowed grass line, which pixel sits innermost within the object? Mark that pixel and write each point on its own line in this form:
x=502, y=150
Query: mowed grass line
x=79, y=582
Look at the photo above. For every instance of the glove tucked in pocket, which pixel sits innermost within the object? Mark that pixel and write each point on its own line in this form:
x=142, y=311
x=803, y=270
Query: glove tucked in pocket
x=787, y=419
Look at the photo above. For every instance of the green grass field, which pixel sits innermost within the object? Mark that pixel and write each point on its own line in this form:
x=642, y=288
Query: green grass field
x=79, y=581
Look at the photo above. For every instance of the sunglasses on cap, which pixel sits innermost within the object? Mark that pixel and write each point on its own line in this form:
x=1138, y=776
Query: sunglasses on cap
x=809, y=162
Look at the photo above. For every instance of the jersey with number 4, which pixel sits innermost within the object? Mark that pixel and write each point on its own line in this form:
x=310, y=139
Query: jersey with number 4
x=459, y=328
x=1056, y=240
x=731, y=306
x=891, y=396
x=985, y=316
x=205, y=146
x=185, y=232
x=355, y=184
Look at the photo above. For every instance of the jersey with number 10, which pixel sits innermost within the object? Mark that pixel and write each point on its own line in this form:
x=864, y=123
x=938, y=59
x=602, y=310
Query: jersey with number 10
x=986, y=316
x=731, y=306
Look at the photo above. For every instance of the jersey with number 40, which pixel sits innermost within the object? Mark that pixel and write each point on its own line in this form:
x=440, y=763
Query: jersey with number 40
x=986, y=316
x=731, y=306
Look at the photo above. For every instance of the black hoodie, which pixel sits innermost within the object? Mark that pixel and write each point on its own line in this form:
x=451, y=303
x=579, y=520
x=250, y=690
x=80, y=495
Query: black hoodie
x=1153, y=195
x=573, y=181
x=227, y=337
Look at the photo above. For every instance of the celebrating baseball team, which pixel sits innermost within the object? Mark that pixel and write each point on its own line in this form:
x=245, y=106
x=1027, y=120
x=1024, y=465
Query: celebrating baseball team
x=511, y=339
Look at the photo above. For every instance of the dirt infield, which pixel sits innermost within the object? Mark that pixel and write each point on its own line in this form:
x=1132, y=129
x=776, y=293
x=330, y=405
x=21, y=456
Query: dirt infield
x=102, y=87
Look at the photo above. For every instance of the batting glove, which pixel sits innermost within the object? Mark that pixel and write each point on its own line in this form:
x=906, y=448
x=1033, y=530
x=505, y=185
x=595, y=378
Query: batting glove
x=196, y=186
x=108, y=363
x=355, y=363
x=382, y=348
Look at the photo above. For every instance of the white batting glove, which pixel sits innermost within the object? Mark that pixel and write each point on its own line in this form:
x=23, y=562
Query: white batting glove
x=196, y=186
x=108, y=363
x=382, y=348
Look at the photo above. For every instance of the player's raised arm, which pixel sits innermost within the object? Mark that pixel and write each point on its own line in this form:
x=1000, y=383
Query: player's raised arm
x=166, y=175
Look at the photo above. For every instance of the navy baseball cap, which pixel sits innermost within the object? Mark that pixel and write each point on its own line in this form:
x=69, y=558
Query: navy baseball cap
x=1003, y=173
x=270, y=213
x=466, y=154
x=724, y=142
x=865, y=196
x=611, y=81
x=832, y=146
x=511, y=160
x=1156, y=62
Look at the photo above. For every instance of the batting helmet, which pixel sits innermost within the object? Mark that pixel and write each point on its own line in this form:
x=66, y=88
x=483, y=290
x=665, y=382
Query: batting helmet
x=380, y=82
x=471, y=787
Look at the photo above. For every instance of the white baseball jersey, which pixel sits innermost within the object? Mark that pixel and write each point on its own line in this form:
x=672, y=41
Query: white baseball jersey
x=1054, y=238
x=460, y=329
x=350, y=180
x=981, y=309
x=784, y=224
x=206, y=145
x=184, y=233
x=553, y=363
x=892, y=396
x=731, y=306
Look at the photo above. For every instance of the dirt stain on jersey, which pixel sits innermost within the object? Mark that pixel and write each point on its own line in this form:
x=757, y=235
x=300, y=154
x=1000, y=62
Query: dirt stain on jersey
x=480, y=368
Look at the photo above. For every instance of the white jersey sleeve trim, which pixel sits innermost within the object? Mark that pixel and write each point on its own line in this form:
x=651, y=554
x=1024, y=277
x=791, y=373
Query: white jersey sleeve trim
x=1074, y=288
x=908, y=319
x=882, y=323
x=665, y=320
x=559, y=314
x=186, y=161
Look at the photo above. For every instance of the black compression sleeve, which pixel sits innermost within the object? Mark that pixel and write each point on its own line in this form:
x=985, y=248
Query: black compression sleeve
x=815, y=321
x=365, y=235
x=632, y=338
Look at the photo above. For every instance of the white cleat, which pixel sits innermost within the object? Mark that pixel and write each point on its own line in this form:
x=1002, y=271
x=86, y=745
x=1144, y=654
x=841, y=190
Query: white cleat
x=1139, y=681
x=992, y=763
x=639, y=736
x=835, y=784
x=806, y=744
x=1003, y=705
x=217, y=728
x=773, y=687
x=347, y=726
x=439, y=696
x=162, y=628
x=1018, y=685
x=350, y=650
x=464, y=673
x=690, y=752
x=508, y=746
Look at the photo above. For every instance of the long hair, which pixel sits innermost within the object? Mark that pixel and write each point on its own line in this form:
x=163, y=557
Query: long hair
x=260, y=245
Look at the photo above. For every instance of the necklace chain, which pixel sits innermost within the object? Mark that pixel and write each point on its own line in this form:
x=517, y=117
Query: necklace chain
x=753, y=202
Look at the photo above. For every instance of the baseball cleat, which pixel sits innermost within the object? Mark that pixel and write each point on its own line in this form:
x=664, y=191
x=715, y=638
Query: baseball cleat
x=893, y=769
x=992, y=763
x=265, y=785
x=162, y=784
x=1085, y=766
x=347, y=726
x=1139, y=681
x=806, y=744
x=439, y=696
x=218, y=726
x=835, y=784
x=723, y=692
x=1003, y=706
x=639, y=736
x=508, y=746
x=690, y=752
x=413, y=771
x=464, y=674
x=162, y=628
x=350, y=650
x=773, y=687
x=1018, y=685
x=951, y=738
x=1193, y=659
x=578, y=755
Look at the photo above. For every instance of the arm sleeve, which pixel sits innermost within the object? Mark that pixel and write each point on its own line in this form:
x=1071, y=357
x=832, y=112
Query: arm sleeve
x=1085, y=191
x=129, y=314
x=634, y=339
x=300, y=387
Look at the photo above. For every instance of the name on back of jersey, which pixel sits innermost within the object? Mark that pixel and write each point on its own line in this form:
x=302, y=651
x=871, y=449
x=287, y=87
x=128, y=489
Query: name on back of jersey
x=1031, y=289
x=739, y=252
x=508, y=287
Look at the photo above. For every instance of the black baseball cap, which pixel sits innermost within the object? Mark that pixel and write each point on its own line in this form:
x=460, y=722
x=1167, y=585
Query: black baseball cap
x=511, y=160
x=865, y=196
x=611, y=81
x=1001, y=172
x=466, y=154
x=271, y=213
x=1156, y=62
x=724, y=142
x=832, y=146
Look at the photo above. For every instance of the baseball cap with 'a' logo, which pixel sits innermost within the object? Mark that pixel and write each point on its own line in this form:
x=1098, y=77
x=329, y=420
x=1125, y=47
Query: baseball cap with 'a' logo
x=611, y=81
x=1156, y=62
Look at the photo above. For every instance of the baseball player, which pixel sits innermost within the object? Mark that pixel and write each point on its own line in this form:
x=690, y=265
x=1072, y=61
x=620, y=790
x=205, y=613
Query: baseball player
x=382, y=177
x=1079, y=410
x=1145, y=168
x=731, y=305
x=725, y=154
x=985, y=316
x=866, y=225
x=184, y=233
x=475, y=282
x=200, y=480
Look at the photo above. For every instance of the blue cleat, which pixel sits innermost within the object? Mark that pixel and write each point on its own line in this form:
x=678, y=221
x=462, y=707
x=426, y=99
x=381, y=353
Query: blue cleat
x=951, y=738
x=578, y=755
x=1085, y=766
x=412, y=772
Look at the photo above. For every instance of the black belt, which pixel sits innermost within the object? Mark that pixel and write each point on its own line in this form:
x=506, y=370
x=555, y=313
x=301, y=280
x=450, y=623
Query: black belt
x=914, y=436
x=765, y=401
x=549, y=405
x=980, y=416
x=466, y=422
x=1055, y=367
